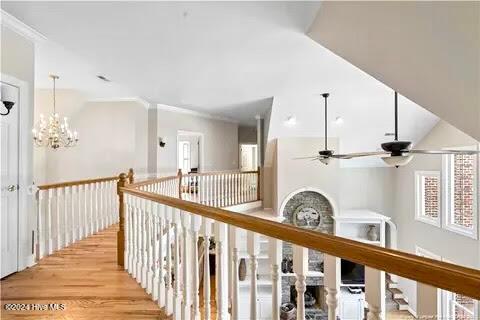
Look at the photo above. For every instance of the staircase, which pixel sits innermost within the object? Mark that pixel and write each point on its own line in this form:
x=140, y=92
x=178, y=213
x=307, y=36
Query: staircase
x=395, y=298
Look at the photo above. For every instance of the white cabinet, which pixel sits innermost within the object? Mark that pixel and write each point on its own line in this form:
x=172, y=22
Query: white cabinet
x=351, y=305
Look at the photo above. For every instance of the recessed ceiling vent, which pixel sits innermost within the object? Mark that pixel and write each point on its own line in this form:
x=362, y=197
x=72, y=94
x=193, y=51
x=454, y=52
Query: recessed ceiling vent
x=103, y=78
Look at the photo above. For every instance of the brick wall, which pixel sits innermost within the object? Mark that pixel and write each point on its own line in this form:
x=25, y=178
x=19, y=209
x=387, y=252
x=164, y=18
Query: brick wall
x=431, y=196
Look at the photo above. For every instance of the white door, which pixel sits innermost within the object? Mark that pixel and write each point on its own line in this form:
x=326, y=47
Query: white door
x=248, y=157
x=9, y=184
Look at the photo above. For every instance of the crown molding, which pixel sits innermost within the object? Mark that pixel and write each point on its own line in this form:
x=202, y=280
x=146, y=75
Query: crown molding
x=21, y=28
x=194, y=113
x=139, y=100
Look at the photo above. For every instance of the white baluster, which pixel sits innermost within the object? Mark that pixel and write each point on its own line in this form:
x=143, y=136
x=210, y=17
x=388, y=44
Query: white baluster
x=300, y=267
x=275, y=254
x=253, y=249
x=195, y=228
x=97, y=208
x=161, y=253
x=149, y=243
x=207, y=231
x=138, y=243
x=66, y=235
x=427, y=303
x=155, y=233
x=168, y=284
x=221, y=260
x=186, y=265
x=73, y=229
x=144, y=244
x=177, y=299
x=57, y=215
x=233, y=237
x=332, y=284
x=80, y=205
x=101, y=191
x=375, y=293
x=41, y=232
x=91, y=226
x=49, y=221
x=128, y=233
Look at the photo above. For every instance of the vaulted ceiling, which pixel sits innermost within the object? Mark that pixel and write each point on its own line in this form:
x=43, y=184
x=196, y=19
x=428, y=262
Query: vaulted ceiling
x=223, y=58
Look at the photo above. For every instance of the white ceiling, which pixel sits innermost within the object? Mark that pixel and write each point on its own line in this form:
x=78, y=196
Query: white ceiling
x=224, y=58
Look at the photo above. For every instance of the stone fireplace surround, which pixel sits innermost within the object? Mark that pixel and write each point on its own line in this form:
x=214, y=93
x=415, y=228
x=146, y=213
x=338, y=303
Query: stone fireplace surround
x=322, y=205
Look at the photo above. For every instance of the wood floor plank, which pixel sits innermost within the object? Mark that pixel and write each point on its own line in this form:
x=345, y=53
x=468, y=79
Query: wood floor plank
x=85, y=278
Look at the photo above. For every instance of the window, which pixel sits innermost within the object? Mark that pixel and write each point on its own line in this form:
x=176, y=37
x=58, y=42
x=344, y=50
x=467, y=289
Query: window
x=461, y=188
x=427, y=198
x=459, y=307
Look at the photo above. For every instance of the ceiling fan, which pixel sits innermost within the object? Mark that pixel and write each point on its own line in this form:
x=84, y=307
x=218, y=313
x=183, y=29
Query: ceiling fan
x=399, y=152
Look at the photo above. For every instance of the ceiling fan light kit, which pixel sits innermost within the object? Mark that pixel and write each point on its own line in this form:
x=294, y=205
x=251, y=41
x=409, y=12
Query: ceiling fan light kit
x=397, y=161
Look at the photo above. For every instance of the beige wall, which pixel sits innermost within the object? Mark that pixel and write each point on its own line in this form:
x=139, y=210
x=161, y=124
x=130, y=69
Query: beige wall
x=247, y=135
x=220, y=150
x=451, y=246
x=428, y=51
x=113, y=138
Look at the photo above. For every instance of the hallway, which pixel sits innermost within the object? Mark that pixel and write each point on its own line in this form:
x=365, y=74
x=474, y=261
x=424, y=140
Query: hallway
x=86, y=279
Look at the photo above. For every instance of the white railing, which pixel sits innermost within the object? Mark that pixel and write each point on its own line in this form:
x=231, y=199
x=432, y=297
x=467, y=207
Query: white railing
x=163, y=235
x=70, y=211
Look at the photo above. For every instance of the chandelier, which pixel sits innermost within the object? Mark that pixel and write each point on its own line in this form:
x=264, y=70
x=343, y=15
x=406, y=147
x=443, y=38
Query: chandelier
x=54, y=133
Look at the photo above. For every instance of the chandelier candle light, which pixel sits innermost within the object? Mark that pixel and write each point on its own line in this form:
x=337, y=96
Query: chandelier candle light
x=55, y=133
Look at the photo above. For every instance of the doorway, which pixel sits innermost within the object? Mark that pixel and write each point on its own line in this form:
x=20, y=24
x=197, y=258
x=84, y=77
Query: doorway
x=248, y=157
x=189, y=151
x=9, y=163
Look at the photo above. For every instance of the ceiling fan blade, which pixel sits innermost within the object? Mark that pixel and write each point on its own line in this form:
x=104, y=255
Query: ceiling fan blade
x=306, y=158
x=359, y=154
x=467, y=152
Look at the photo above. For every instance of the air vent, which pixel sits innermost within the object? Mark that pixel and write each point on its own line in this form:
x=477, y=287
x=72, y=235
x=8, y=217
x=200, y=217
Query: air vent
x=103, y=78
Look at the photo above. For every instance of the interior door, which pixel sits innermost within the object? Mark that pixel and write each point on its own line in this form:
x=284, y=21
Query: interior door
x=9, y=127
x=248, y=157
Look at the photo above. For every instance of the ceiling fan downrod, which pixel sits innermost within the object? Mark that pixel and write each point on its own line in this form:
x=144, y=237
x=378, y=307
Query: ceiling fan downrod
x=325, y=96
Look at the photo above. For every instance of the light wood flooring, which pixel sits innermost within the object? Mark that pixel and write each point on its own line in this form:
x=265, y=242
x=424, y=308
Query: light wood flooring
x=85, y=277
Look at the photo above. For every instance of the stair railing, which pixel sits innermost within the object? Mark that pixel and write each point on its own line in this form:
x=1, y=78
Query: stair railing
x=70, y=211
x=162, y=232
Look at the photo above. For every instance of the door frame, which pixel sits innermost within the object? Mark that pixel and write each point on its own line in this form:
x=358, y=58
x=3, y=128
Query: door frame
x=26, y=232
x=201, y=148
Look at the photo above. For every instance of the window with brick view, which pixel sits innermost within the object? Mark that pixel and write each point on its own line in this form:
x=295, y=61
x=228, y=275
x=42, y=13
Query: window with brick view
x=431, y=196
x=463, y=190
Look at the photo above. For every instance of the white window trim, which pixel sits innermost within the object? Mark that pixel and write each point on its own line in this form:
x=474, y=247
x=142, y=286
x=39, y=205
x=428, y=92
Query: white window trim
x=419, y=201
x=447, y=202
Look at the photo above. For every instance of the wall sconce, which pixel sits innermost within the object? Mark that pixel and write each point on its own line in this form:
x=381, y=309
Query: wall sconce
x=7, y=98
x=162, y=142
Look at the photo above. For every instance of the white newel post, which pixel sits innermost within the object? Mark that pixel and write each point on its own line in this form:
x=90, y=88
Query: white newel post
x=332, y=284
x=186, y=266
x=233, y=238
x=207, y=231
x=221, y=258
x=161, y=253
x=300, y=267
x=177, y=299
x=253, y=248
x=275, y=254
x=427, y=301
x=375, y=293
x=195, y=228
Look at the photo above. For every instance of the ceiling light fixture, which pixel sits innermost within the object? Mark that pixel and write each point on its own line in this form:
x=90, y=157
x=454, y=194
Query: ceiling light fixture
x=55, y=134
x=291, y=121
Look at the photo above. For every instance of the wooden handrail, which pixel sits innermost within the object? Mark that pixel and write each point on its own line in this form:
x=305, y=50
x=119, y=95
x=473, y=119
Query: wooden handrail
x=75, y=183
x=151, y=181
x=439, y=274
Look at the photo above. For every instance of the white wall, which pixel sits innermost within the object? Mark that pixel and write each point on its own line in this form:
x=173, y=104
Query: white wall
x=247, y=135
x=428, y=51
x=18, y=61
x=220, y=147
x=113, y=138
x=451, y=246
